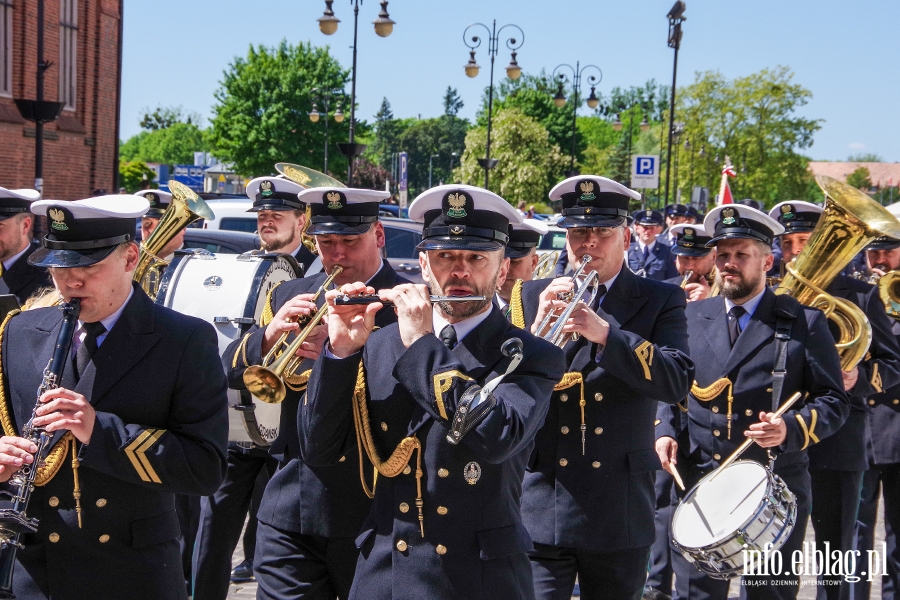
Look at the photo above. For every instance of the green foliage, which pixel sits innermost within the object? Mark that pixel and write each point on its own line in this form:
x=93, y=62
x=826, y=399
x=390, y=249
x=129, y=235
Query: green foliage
x=422, y=139
x=165, y=117
x=860, y=178
x=865, y=157
x=529, y=163
x=452, y=102
x=174, y=144
x=384, y=142
x=262, y=105
x=133, y=175
x=753, y=120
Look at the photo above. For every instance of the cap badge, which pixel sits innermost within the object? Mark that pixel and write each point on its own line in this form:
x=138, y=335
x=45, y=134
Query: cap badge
x=457, y=230
x=152, y=199
x=728, y=216
x=457, y=204
x=472, y=473
x=787, y=212
x=688, y=233
x=587, y=190
x=58, y=217
x=334, y=200
x=649, y=213
x=265, y=189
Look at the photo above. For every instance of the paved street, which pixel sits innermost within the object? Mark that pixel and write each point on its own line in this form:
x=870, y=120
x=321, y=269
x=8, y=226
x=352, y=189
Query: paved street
x=807, y=588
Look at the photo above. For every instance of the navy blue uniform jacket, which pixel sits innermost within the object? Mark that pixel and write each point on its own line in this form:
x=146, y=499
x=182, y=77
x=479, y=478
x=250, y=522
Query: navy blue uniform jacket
x=474, y=545
x=22, y=279
x=161, y=429
x=883, y=440
x=660, y=265
x=604, y=500
x=326, y=501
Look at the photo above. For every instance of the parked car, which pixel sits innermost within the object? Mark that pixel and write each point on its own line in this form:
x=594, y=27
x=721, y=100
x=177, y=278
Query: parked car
x=553, y=241
x=221, y=241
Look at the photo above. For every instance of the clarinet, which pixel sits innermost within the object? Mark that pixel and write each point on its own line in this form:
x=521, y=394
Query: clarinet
x=13, y=521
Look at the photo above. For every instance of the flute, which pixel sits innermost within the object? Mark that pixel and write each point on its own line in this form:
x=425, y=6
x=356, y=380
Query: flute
x=347, y=300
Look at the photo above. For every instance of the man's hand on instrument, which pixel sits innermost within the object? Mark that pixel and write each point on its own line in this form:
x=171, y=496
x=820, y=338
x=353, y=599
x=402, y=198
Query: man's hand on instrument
x=312, y=347
x=349, y=326
x=64, y=409
x=550, y=302
x=667, y=450
x=14, y=452
x=697, y=291
x=588, y=324
x=850, y=378
x=771, y=431
x=415, y=316
x=285, y=319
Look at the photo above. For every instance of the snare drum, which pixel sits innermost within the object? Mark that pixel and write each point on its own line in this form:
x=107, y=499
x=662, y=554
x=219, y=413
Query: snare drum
x=742, y=507
x=230, y=291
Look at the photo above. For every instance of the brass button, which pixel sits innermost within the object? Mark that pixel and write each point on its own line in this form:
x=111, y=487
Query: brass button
x=596, y=464
x=871, y=403
x=442, y=510
x=383, y=426
x=748, y=412
x=598, y=431
x=896, y=401
x=598, y=396
x=441, y=549
x=715, y=409
x=401, y=546
x=342, y=459
x=717, y=433
x=104, y=538
x=563, y=397
x=770, y=390
x=441, y=472
x=563, y=462
x=564, y=430
x=404, y=507
x=407, y=470
x=54, y=501
x=717, y=456
x=53, y=537
x=101, y=502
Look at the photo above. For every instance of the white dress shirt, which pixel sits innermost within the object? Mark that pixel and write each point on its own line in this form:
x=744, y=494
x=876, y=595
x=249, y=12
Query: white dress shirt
x=749, y=306
x=109, y=322
x=9, y=262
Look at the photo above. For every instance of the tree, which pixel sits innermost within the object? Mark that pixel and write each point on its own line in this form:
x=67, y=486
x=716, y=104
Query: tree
x=426, y=137
x=529, y=163
x=369, y=176
x=865, y=157
x=163, y=118
x=452, y=102
x=860, y=178
x=262, y=105
x=384, y=143
x=753, y=120
x=135, y=175
x=174, y=144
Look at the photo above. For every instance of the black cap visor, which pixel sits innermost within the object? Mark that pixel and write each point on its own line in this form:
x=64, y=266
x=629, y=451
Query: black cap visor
x=332, y=227
x=732, y=233
x=883, y=243
x=518, y=251
x=46, y=257
x=695, y=251
x=155, y=213
x=471, y=243
x=573, y=221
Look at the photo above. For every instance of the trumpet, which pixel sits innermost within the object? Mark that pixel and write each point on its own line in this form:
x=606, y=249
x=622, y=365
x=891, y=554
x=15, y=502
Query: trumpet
x=889, y=291
x=266, y=381
x=552, y=325
x=347, y=300
x=545, y=265
x=686, y=278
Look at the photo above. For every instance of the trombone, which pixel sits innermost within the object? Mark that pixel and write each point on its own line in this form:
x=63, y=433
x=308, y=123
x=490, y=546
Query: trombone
x=551, y=328
x=266, y=381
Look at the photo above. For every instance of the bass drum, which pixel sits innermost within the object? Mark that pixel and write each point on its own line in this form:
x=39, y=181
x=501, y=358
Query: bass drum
x=230, y=291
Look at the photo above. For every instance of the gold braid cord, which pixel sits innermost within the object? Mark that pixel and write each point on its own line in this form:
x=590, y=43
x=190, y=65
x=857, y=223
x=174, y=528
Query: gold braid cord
x=517, y=316
x=712, y=391
x=297, y=382
x=268, y=314
x=397, y=461
x=6, y=418
x=571, y=379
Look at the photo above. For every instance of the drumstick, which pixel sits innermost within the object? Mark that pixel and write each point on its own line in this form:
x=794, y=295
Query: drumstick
x=677, y=477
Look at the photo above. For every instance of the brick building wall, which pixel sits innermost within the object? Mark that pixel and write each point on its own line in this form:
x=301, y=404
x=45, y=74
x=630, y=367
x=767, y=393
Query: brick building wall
x=80, y=148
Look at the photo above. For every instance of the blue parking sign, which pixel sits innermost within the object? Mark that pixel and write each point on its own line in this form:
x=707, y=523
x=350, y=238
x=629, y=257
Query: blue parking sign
x=645, y=171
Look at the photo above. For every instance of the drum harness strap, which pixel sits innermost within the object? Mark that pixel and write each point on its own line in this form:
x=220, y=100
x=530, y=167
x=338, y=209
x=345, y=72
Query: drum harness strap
x=784, y=320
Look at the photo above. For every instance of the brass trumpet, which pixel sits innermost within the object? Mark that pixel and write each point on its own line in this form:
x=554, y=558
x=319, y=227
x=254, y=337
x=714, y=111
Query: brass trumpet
x=266, y=381
x=545, y=265
x=552, y=325
x=889, y=291
x=686, y=278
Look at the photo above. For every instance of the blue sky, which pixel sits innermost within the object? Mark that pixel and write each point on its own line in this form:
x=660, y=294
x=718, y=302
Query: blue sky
x=845, y=52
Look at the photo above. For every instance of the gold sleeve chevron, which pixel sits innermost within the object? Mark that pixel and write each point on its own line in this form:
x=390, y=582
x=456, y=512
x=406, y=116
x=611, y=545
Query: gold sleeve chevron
x=644, y=352
x=442, y=383
x=809, y=432
x=517, y=316
x=876, y=378
x=136, y=452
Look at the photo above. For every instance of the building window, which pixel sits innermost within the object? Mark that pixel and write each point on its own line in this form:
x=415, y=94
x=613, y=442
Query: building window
x=5, y=47
x=68, y=45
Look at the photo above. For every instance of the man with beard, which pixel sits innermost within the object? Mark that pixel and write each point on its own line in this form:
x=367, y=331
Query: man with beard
x=446, y=522
x=837, y=464
x=588, y=498
x=732, y=341
x=17, y=276
x=521, y=250
x=280, y=217
x=645, y=255
x=691, y=254
x=310, y=515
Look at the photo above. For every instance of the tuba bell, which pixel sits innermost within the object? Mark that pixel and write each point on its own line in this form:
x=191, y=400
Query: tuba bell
x=185, y=208
x=849, y=222
x=307, y=178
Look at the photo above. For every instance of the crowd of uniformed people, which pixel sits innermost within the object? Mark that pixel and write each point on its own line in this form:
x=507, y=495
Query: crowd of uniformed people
x=481, y=436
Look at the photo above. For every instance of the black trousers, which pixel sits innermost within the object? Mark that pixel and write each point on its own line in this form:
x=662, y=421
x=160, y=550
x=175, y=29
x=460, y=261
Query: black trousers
x=187, y=508
x=693, y=584
x=886, y=479
x=293, y=565
x=835, y=506
x=618, y=575
x=222, y=519
x=659, y=574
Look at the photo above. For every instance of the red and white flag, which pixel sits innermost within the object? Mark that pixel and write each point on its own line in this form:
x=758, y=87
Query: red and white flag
x=725, y=196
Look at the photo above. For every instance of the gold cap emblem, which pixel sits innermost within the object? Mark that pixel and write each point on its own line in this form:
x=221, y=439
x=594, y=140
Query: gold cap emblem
x=265, y=188
x=728, y=216
x=587, y=190
x=334, y=200
x=457, y=204
x=58, y=217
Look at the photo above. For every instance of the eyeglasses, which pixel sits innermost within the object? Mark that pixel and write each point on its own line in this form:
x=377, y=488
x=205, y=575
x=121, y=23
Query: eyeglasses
x=582, y=233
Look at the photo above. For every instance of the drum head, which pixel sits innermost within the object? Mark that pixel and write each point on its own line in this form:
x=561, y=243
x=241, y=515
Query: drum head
x=720, y=504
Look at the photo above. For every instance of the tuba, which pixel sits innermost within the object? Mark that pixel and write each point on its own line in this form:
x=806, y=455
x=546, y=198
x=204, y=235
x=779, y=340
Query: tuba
x=307, y=178
x=185, y=208
x=889, y=291
x=851, y=220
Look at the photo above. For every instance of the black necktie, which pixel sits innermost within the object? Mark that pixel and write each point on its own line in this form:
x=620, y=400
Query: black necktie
x=734, y=326
x=646, y=253
x=448, y=336
x=601, y=291
x=88, y=346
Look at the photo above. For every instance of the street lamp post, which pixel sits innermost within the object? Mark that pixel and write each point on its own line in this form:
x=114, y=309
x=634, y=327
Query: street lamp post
x=325, y=100
x=560, y=99
x=430, y=160
x=676, y=135
x=328, y=24
x=513, y=71
x=676, y=18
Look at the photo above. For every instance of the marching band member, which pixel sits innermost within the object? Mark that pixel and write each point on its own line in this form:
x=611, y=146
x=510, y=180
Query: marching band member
x=588, y=498
x=837, y=464
x=882, y=451
x=645, y=255
x=677, y=214
x=445, y=523
x=140, y=415
x=521, y=250
x=17, y=276
x=310, y=514
x=159, y=201
x=691, y=254
x=280, y=217
x=733, y=337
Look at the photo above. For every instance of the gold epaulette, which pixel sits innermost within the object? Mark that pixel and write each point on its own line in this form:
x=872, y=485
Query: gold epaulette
x=517, y=314
x=712, y=391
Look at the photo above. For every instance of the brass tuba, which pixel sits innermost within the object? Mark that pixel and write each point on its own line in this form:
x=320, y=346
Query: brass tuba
x=850, y=221
x=889, y=291
x=307, y=178
x=185, y=208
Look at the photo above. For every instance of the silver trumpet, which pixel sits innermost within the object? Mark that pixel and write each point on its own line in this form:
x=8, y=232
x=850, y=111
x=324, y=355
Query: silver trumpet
x=551, y=328
x=347, y=300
